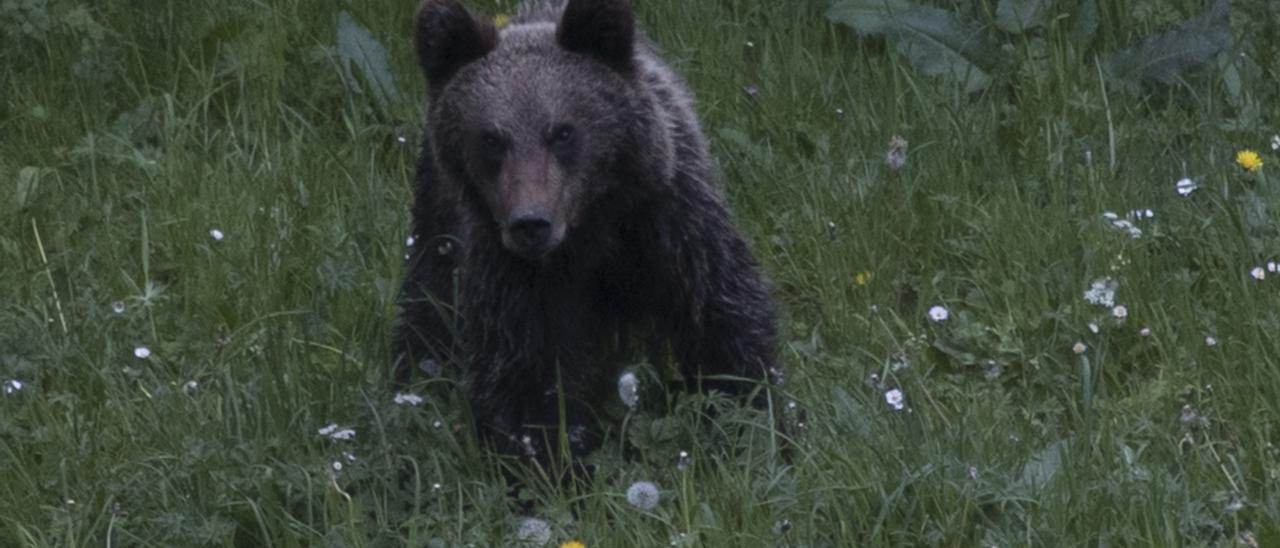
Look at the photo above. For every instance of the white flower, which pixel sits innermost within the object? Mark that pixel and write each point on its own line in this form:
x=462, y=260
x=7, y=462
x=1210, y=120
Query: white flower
x=533, y=531
x=216, y=235
x=1093, y=328
x=333, y=432
x=13, y=386
x=1078, y=347
x=190, y=387
x=408, y=242
x=117, y=307
x=1258, y=273
x=683, y=461
x=894, y=399
x=142, y=352
x=405, y=398
x=1145, y=332
x=1185, y=186
x=1275, y=142
x=939, y=313
x=643, y=495
x=1210, y=341
x=629, y=389
x=1272, y=266
x=1120, y=312
x=337, y=466
x=1102, y=292
x=401, y=139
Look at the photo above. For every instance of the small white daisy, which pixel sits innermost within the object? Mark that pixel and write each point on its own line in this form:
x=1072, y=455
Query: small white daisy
x=1079, y=347
x=406, y=398
x=1102, y=292
x=1120, y=312
x=939, y=313
x=643, y=495
x=142, y=352
x=216, y=235
x=894, y=398
x=629, y=389
x=533, y=531
x=1272, y=266
x=1185, y=186
x=337, y=466
x=117, y=307
x=1258, y=273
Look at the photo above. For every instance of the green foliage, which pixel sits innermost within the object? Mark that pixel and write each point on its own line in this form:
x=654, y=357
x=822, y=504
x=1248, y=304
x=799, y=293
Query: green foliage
x=129, y=134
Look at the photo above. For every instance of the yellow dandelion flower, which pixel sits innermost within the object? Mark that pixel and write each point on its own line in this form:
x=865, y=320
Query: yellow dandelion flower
x=573, y=544
x=1249, y=160
x=862, y=278
x=500, y=20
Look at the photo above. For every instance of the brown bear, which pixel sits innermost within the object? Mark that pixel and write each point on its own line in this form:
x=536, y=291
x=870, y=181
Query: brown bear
x=565, y=198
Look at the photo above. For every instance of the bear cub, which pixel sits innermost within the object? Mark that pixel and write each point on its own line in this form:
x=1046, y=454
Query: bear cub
x=565, y=199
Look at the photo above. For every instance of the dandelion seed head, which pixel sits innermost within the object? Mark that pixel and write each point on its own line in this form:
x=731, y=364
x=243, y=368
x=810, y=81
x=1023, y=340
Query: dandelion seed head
x=629, y=389
x=533, y=531
x=643, y=495
x=216, y=235
x=1079, y=347
x=336, y=465
x=1185, y=186
x=894, y=398
x=939, y=313
x=142, y=352
x=1120, y=312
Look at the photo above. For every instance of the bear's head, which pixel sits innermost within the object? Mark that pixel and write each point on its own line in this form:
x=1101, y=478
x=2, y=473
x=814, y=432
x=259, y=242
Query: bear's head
x=539, y=122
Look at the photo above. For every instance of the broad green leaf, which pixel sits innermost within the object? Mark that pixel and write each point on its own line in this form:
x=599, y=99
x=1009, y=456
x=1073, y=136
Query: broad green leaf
x=936, y=41
x=356, y=46
x=1017, y=16
x=1164, y=58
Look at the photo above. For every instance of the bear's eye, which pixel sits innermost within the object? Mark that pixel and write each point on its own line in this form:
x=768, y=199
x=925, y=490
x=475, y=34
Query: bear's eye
x=562, y=135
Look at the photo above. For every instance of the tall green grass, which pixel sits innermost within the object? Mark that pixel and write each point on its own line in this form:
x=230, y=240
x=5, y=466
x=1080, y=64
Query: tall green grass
x=129, y=133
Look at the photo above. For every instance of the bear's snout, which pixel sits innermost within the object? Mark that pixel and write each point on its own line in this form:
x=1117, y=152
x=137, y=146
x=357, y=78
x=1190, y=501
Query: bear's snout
x=529, y=235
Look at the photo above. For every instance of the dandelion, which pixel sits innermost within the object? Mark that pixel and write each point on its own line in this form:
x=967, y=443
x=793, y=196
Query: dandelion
x=117, y=307
x=894, y=398
x=406, y=398
x=498, y=21
x=333, y=432
x=896, y=158
x=683, y=461
x=142, y=352
x=1120, y=312
x=1249, y=160
x=573, y=544
x=1102, y=292
x=13, y=386
x=939, y=313
x=643, y=495
x=1259, y=273
x=216, y=235
x=1079, y=347
x=629, y=389
x=1185, y=186
x=533, y=531
x=862, y=278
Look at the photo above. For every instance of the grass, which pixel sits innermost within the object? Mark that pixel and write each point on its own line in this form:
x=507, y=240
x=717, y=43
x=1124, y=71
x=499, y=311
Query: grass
x=127, y=135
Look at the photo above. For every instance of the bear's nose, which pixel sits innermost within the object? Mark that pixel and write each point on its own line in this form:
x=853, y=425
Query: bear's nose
x=530, y=232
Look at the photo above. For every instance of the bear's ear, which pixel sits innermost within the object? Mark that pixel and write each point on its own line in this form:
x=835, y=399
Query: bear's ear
x=603, y=29
x=448, y=37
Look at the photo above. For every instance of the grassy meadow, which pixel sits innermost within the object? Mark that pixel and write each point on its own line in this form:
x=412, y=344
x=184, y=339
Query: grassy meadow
x=1014, y=329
